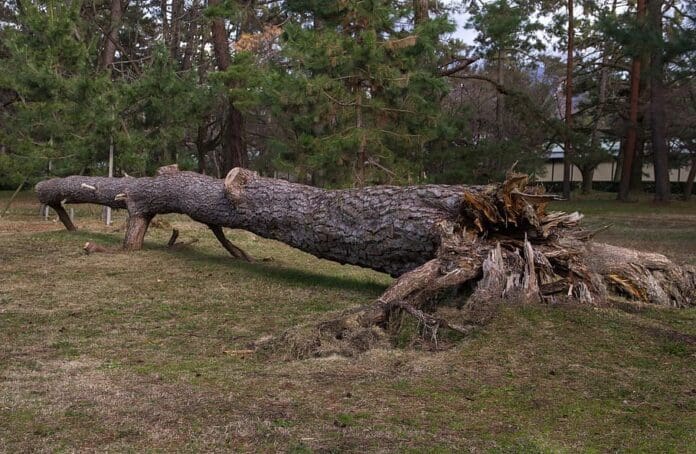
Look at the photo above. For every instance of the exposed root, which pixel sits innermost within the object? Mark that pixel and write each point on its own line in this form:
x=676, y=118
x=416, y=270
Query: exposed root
x=643, y=277
x=430, y=324
x=504, y=251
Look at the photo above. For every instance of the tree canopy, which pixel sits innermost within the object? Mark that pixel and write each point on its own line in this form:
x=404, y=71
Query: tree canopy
x=341, y=94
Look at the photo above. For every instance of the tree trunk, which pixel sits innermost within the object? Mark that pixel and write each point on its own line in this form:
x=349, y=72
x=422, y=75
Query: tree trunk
x=202, y=148
x=689, y=187
x=221, y=46
x=191, y=36
x=630, y=148
x=420, y=12
x=361, y=158
x=111, y=39
x=175, y=28
x=587, y=177
x=568, y=152
x=136, y=227
x=233, y=147
x=497, y=239
x=657, y=106
x=499, y=100
x=166, y=34
x=636, y=186
x=494, y=243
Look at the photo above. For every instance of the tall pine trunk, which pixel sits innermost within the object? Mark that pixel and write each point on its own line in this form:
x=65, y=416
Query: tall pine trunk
x=106, y=59
x=499, y=100
x=420, y=11
x=568, y=152
x=233, y=147
x=636, y=184
x=658, y=126
x=587, y=176
x=175, y=28
x=191, y=38
x=631, y=138
x=689, y=187
x=589, y=168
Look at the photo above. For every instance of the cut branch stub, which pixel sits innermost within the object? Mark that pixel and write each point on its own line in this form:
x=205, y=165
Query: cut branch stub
x=168, y=170
x=235, y=182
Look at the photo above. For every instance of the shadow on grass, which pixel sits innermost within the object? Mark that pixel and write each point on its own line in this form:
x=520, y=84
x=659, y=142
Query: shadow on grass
x=105, y=239
x=278, y=272
x=267, y=270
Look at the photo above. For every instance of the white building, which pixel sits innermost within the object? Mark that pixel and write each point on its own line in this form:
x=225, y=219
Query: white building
x=605, y=172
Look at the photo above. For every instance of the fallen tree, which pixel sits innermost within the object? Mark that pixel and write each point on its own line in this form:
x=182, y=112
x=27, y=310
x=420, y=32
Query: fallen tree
x=482, y=243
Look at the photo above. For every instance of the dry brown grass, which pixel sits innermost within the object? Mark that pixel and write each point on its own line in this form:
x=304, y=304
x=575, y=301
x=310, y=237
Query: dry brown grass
x=138, y=352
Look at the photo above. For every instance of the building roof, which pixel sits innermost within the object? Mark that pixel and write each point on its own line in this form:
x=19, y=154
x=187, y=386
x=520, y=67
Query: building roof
x=556, y=151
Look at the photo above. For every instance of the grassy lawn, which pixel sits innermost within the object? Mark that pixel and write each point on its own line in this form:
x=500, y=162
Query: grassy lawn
x=141, y=352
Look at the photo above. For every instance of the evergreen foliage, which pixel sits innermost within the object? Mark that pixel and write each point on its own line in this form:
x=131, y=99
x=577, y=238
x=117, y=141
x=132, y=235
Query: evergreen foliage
x=338, y=94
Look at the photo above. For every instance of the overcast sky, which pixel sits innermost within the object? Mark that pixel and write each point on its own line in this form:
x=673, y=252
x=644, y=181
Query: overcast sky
x=466, y=35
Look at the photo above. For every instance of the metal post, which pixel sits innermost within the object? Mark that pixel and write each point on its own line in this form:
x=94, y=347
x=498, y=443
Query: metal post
x=44, y=208
x=111, y=174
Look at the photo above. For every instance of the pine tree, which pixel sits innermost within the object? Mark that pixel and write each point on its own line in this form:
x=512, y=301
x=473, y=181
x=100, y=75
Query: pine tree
x=71, y=108
x=358, y=91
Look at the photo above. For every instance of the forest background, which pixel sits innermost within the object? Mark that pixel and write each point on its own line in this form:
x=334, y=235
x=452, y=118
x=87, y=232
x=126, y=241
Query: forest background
x=348, y=93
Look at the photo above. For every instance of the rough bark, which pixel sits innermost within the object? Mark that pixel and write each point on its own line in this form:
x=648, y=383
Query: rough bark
x=587, y=177
x=420, y=12
x=689, y=187
x=631, y=139
x=136, y=228
x=386, y=228
x=495, y=242
x=568, y=151
x=658, y=118
x=175, y=28
x=221, y=45
x=636, y=185
x=192, y=36
x=106, y=59
x=79, y=189
x=233, y=147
